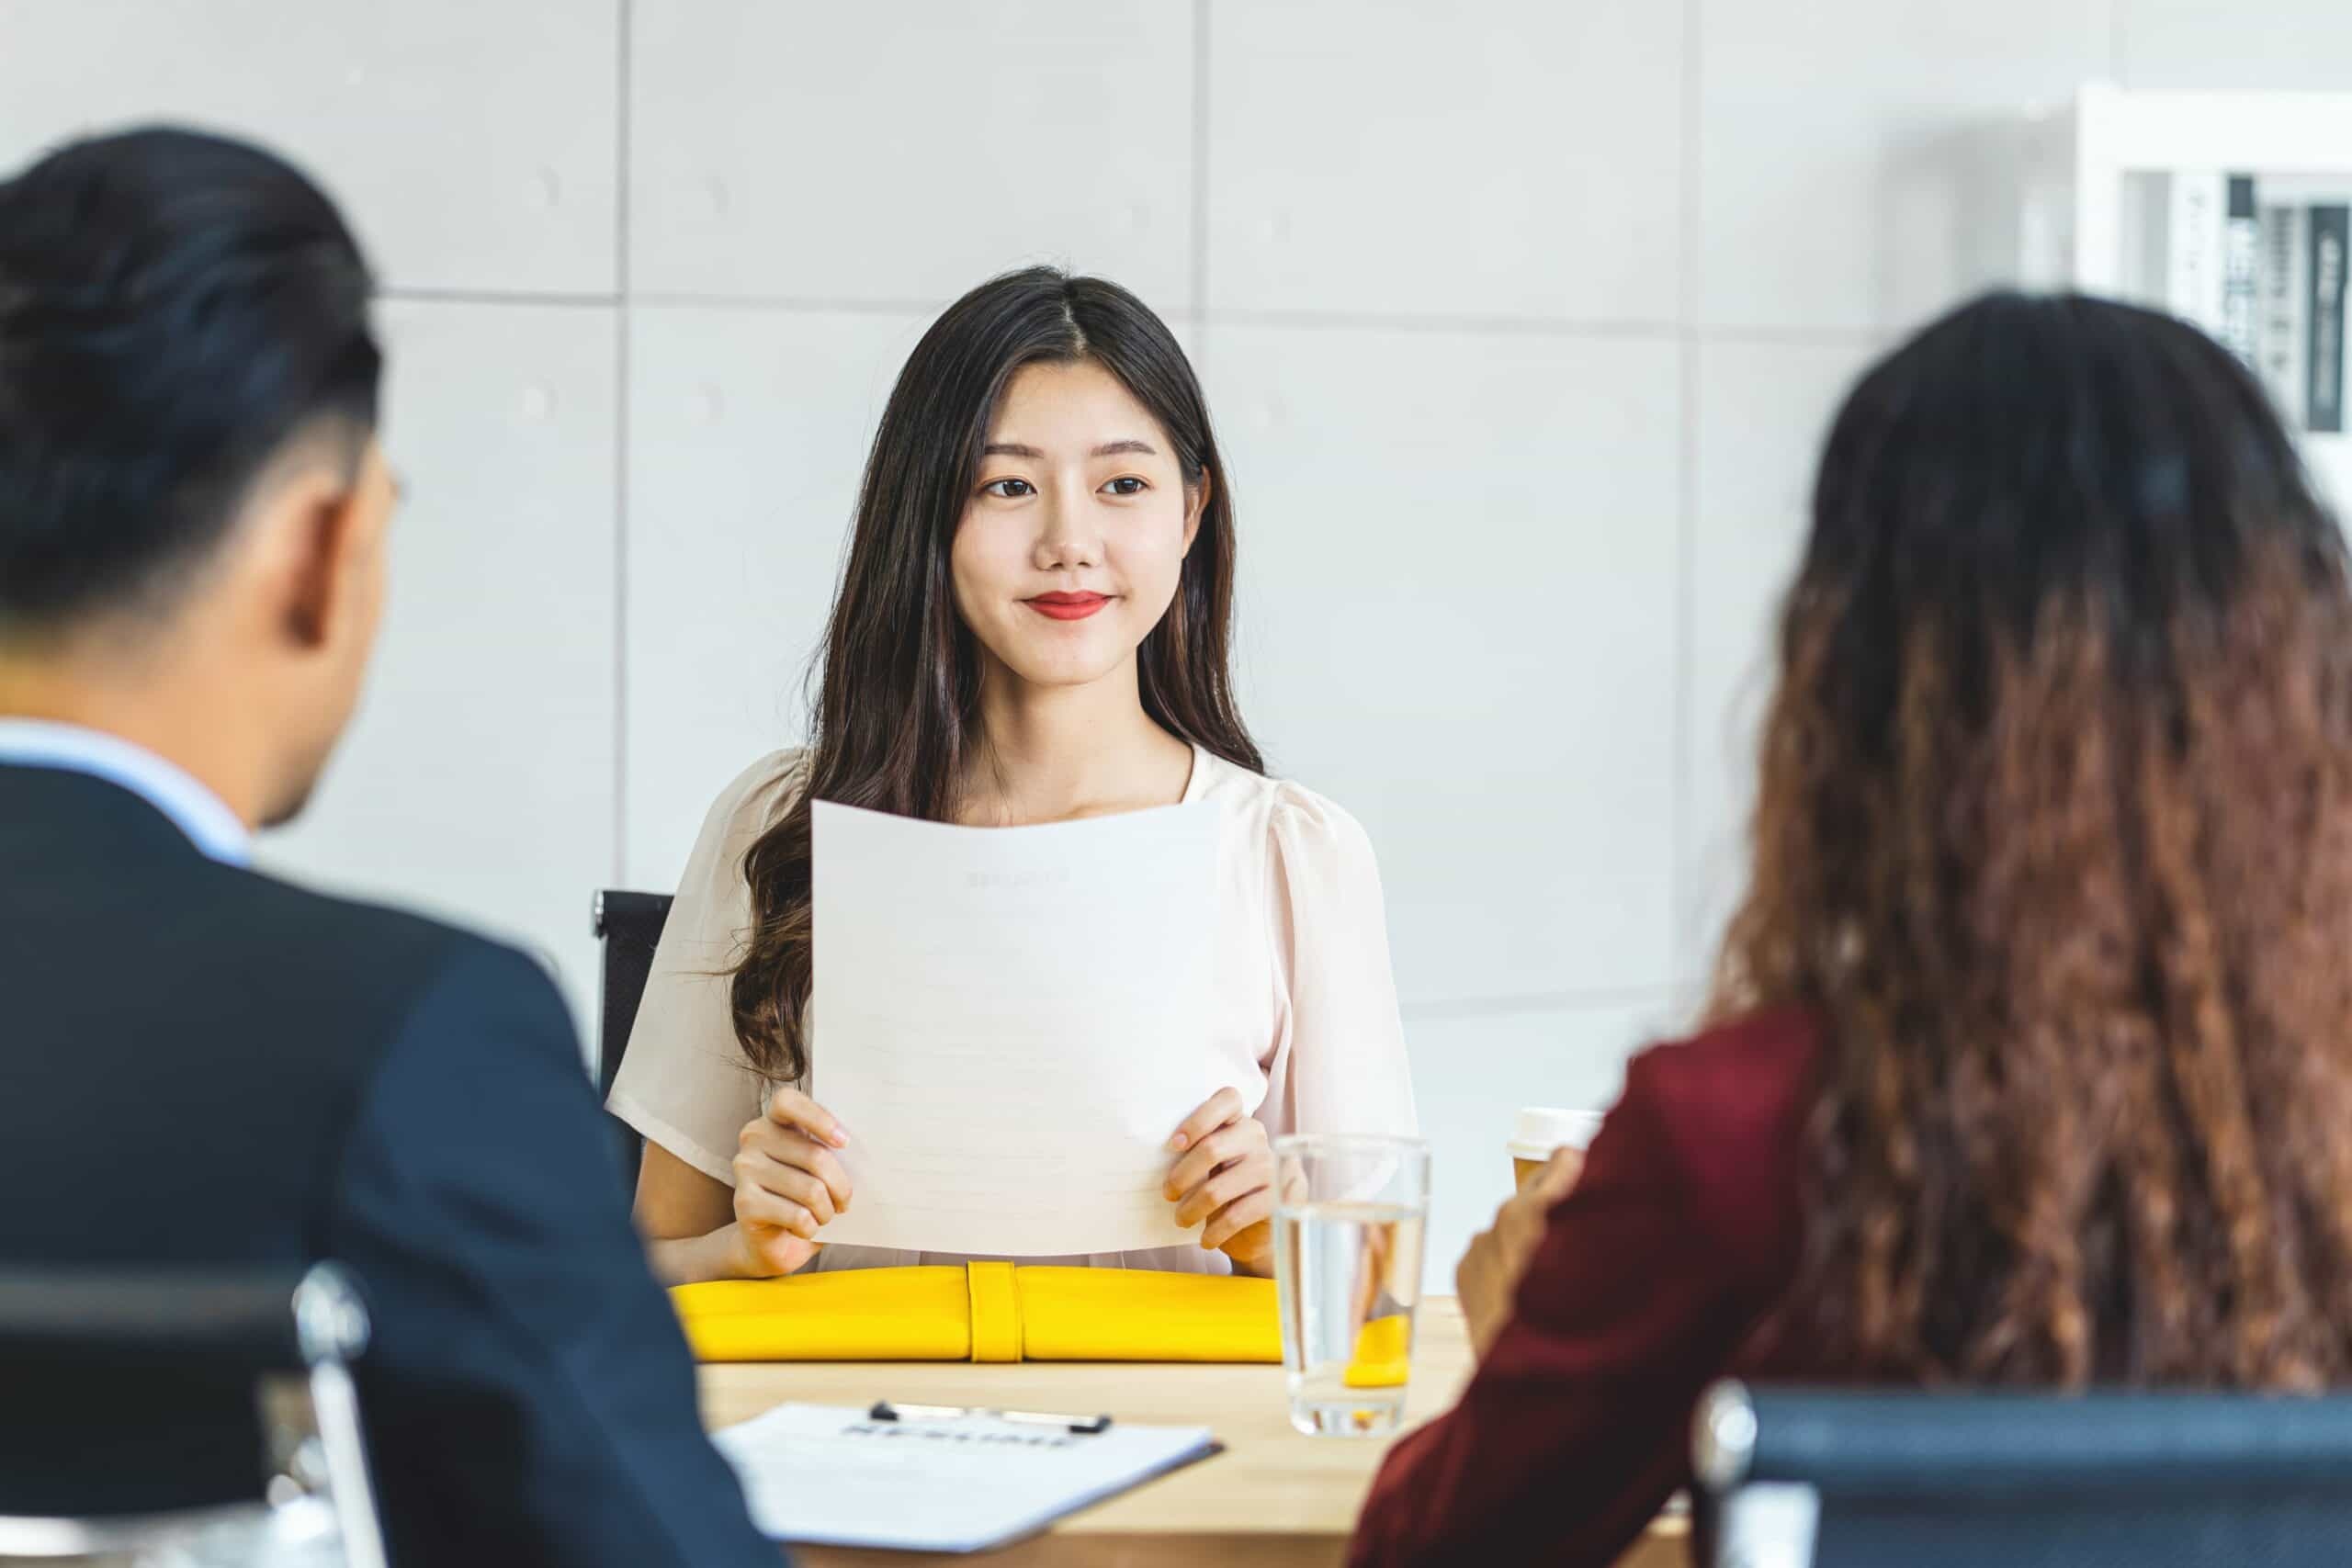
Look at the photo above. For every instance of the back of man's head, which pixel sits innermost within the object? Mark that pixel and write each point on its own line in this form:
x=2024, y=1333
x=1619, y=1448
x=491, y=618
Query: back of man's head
x=189, y=390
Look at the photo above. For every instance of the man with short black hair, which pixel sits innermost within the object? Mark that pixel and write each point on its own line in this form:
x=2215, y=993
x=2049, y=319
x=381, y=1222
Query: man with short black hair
x=200, y=1065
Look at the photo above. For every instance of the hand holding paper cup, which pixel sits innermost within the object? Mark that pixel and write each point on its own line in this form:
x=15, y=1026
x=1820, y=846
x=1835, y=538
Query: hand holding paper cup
x=1544, y=1130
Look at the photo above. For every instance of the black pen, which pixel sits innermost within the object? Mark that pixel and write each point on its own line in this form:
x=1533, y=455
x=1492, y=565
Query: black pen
x=1084, y=1425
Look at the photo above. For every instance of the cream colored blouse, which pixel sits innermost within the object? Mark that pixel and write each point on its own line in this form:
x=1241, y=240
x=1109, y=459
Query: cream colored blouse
x=1306, y=1010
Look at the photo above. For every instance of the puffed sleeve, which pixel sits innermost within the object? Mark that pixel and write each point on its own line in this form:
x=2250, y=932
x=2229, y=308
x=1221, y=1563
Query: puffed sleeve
x=685, y=1083
x=1342, y=1067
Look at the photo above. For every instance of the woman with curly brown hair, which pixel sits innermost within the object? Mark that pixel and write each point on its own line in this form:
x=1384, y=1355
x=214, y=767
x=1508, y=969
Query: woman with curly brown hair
x=2029, y=1059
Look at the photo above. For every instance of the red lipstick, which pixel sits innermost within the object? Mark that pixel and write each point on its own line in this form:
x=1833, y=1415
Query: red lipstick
x=1066, y=606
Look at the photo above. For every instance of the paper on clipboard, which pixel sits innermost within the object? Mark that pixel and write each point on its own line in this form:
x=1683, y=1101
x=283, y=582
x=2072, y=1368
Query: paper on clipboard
x=1012, y=1022
x=825, y=1476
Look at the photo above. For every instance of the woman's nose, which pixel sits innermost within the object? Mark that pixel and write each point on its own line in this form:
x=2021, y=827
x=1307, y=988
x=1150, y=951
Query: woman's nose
x=1069, y=538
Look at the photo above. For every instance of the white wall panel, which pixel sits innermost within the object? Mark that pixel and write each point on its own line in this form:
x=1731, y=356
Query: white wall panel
x=1485, y=159
x=2280, y=44
x=1851, y=168
x=880, y=153
x=1458, y=597
x=473, y=145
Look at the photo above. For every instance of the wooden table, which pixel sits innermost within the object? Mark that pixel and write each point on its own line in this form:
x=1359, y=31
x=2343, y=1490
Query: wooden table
x=1272, y=1497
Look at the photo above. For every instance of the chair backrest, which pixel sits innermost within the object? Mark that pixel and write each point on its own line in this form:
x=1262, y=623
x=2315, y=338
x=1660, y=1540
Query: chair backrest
x=287, y=1335
x=628, y=927
x=1810, y=1479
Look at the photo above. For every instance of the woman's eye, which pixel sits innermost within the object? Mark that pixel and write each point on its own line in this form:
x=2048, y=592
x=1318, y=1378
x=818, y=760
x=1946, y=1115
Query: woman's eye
x=1009, y=490
x=1127, y=485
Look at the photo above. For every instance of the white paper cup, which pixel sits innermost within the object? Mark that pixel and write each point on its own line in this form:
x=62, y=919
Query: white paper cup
x=1542, y=1131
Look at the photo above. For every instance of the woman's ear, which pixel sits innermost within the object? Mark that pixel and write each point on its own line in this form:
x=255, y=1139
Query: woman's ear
x=1196, y=499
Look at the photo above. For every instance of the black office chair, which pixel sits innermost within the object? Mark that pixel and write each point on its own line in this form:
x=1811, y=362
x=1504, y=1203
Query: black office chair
x=1806, y=1479
x=140, y=1344
x=629, y=926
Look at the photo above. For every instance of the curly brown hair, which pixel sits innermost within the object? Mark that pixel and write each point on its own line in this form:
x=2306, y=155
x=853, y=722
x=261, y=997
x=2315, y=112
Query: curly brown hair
x=2054, y=841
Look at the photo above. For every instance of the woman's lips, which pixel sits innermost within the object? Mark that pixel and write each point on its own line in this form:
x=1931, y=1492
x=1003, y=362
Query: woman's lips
x=1066, y=606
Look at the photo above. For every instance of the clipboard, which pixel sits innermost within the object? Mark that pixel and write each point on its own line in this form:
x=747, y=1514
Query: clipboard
x=828, y=1476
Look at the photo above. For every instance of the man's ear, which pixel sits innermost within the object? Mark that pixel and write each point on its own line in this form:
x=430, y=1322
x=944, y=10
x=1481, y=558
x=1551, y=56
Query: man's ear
x=319, y=526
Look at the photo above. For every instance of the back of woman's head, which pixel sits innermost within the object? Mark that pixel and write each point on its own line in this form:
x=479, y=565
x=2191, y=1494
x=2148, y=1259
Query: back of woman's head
x=2054, y=838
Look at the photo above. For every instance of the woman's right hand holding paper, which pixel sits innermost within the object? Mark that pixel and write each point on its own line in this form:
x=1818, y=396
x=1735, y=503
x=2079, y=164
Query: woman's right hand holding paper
x=789, y=1183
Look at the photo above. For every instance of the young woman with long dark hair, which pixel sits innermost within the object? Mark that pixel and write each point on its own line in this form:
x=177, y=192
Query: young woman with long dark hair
x=1032, y=628
x=2030, y=1059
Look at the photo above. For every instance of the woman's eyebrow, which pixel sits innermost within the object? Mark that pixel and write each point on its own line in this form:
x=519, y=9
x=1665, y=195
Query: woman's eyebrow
x=1108, y=449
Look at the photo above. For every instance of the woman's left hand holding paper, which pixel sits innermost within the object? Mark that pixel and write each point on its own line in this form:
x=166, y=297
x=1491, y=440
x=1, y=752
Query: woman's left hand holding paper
x=1224, y=1181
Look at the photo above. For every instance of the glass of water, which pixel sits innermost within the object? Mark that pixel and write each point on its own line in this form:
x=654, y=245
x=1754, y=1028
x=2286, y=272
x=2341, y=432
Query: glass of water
x=1349, y=1215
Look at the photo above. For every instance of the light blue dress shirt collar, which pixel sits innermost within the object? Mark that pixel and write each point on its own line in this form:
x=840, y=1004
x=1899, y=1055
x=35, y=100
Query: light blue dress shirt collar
x=209, y=823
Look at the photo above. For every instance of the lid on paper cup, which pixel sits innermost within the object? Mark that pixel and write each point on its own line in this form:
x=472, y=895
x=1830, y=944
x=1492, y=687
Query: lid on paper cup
x=1542, y=1130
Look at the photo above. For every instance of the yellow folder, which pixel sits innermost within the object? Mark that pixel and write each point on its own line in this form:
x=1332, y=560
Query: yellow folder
x=983, y=1311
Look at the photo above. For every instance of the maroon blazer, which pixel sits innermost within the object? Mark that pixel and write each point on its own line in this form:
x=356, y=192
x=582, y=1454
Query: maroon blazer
x=1677, y=1242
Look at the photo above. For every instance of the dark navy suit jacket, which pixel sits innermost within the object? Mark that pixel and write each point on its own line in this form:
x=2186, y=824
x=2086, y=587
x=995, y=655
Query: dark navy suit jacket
x=201, y=1065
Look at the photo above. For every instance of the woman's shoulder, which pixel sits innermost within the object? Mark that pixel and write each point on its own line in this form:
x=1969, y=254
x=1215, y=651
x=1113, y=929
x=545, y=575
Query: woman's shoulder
x=757, y=797
x=1744, y=1070
x=1725, y=1108
x=1733, y=1092
x=1291, y=819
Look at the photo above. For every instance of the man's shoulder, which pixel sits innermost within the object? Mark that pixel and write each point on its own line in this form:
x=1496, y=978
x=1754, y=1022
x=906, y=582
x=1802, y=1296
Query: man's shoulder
x=374, y=947
x=340, y=929
x=101, y=882
x=365, y=971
